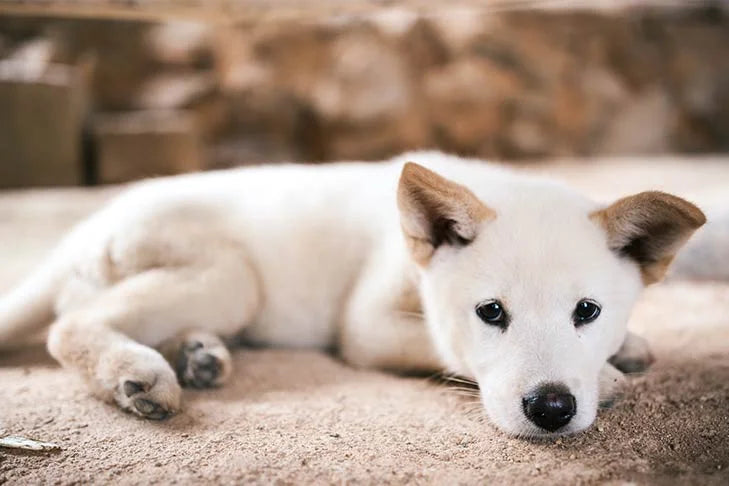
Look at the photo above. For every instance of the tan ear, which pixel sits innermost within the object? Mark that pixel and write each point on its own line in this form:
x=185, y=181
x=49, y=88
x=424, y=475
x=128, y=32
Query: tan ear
x=649, y=228
x=435, y=211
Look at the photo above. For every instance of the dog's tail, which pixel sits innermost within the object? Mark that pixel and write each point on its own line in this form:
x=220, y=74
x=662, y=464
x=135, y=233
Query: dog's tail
x=30, y=306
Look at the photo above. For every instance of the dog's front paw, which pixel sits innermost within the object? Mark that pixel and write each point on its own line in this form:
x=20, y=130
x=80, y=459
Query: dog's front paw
x=202, y=361
x=141, y=382
x=634, y=356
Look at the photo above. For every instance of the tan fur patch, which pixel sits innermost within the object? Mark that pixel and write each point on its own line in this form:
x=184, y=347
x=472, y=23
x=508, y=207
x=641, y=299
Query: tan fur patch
x=409, y=301
x=431, y=206
x=649, y=227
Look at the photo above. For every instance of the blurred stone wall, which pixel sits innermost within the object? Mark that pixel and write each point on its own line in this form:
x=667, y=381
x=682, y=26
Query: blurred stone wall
x=148, y=97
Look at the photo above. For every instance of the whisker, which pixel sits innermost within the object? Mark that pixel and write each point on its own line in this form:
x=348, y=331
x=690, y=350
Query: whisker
x=475, y=414
x=469, y=393
x=475, y=391
x=460, y=379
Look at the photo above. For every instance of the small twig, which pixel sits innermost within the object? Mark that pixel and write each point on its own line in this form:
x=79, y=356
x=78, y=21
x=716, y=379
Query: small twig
x=15, y=442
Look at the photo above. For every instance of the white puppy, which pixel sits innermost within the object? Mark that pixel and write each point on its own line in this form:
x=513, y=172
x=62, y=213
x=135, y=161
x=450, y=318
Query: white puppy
x=516, y=282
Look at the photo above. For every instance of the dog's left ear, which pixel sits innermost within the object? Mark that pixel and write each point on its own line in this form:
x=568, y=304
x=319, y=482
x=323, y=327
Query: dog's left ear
x=435, y=211
x=649, y=228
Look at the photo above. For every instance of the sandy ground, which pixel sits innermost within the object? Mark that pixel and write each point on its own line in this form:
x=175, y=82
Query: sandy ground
x=303, y=417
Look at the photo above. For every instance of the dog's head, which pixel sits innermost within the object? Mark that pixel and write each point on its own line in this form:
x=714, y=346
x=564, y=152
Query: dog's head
x=532, y=296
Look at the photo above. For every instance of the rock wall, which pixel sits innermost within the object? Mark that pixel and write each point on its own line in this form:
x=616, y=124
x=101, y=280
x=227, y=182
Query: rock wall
x=497, y=84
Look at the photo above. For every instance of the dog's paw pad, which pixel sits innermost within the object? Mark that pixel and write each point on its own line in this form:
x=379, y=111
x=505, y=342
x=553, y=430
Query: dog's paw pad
x=203, y=370
x=149, y=409
x=634, y=356
x=202, y=366
x=151, y=401
x=632, y=365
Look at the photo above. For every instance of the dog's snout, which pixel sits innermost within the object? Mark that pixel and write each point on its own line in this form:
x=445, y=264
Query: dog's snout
x=550, y=406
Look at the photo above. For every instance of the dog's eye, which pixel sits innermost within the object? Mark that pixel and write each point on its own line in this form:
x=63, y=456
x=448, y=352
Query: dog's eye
x=585, y=312
x=493, y=313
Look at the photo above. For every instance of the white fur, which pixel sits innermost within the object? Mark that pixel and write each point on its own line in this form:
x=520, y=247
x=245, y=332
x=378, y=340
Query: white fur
x=304, y=256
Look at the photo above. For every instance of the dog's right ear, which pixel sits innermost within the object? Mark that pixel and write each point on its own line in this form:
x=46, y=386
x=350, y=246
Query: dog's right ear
x=435, y=211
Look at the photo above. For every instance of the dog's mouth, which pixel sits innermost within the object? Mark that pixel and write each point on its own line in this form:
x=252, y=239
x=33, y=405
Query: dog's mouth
x=526, y=430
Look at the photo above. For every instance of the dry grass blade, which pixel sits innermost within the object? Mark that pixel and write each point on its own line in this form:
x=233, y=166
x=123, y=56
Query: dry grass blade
x=15, y=442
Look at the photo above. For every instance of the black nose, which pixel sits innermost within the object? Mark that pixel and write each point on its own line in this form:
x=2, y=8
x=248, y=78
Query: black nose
x=550, y=406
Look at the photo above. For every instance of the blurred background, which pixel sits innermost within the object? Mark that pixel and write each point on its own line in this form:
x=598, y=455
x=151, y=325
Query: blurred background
x=97, y=92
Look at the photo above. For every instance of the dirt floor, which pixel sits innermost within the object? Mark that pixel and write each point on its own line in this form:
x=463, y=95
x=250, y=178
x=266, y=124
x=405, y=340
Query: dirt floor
x=295, y=417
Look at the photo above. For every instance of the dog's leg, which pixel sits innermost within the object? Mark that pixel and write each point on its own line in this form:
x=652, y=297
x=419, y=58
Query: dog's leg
x=388, y=341
x=199, y=358
x=109, y=338
x=383, y=325
x=117, y=368
x=633, y=356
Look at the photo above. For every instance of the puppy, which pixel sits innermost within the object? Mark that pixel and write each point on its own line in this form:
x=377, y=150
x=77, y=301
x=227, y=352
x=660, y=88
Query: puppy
x=516, y=282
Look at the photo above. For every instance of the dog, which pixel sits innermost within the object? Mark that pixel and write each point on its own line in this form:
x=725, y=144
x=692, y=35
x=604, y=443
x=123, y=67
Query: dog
x=424, y=262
